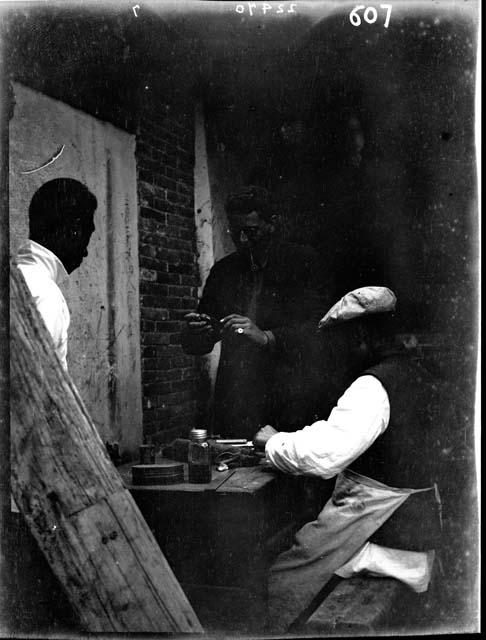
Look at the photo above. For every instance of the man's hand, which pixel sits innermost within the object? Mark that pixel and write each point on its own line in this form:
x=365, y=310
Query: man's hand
x=243, y=328
x=199, y=324
x=261, y=437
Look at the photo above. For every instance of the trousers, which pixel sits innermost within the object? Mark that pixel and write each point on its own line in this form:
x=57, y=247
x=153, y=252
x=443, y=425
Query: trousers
x=357, y=508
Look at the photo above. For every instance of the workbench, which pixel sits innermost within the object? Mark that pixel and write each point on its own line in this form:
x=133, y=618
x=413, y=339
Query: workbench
x=221, y=537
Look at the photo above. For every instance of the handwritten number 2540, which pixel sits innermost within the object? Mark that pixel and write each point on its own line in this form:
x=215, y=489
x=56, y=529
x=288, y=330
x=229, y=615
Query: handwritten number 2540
x=370, y=15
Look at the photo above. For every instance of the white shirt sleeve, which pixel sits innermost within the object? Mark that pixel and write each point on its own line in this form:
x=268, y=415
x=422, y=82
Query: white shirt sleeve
x=327, y=447
x=53, y=310
x=52, y=307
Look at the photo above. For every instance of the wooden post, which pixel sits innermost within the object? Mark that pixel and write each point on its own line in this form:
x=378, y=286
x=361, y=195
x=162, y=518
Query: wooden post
x=73, y=499
x=6, y=585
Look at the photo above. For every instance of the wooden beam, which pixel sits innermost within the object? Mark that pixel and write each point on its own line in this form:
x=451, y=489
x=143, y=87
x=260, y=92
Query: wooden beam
x=6, y=109
x=73, y=499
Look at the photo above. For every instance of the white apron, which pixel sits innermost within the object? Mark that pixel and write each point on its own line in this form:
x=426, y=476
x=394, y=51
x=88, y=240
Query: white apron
x=357, y=508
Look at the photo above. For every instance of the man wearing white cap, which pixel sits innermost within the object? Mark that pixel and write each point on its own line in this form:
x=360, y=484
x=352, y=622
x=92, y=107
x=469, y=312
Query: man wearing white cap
x=383, y=518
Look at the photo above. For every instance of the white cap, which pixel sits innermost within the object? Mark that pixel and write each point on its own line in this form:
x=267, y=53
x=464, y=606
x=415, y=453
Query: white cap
x=360, y=302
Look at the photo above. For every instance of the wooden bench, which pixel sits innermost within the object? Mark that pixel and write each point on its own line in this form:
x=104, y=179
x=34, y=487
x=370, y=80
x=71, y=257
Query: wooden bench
x=366, y=606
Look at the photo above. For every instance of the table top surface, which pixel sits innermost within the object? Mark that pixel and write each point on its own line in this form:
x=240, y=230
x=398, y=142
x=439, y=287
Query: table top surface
x=237, y=480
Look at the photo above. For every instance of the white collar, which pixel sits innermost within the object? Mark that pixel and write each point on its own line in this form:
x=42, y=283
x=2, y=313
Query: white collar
x=31, y=252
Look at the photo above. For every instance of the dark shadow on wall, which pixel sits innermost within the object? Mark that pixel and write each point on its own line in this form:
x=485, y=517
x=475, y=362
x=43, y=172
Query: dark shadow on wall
x=373, y=166
x=369, y=150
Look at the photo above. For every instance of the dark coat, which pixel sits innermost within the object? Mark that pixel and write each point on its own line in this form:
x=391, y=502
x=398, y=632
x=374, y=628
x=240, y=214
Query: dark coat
x=407, y=454
x=255, y=386
x=401, y=456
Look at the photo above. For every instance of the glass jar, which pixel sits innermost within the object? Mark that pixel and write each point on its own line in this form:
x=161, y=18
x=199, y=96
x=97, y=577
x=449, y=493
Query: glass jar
x=199, y=457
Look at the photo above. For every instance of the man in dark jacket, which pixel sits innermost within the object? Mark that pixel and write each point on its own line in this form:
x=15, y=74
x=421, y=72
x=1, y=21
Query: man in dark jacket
x=262, y=302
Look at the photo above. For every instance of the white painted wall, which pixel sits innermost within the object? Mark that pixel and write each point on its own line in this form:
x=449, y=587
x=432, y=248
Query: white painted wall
x=103, y=294
x=204, y=220
x=224, y=178
x=203, y=209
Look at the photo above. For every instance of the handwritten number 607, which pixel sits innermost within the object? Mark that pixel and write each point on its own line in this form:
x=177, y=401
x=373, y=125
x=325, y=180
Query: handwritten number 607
x=370, y=14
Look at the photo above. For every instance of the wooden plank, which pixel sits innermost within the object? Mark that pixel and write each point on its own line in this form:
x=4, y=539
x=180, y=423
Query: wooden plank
x=8, y=587
x=52, y=430
x=356, y=605
x=236, y=480
x=215, y=485
x=73, y=500
x=185, y=487
x=104, y=533
x=248, y=480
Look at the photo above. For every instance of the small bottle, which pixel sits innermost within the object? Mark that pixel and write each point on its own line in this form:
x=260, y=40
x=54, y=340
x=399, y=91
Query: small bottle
x=199, y=457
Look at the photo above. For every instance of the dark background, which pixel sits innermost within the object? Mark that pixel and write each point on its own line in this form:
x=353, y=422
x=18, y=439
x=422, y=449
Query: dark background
x=365, y=136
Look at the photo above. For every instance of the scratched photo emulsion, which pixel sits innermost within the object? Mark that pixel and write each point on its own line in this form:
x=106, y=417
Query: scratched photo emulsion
x=240, y=269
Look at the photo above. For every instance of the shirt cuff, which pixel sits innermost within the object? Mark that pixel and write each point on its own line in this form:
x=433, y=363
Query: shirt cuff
x=273, y=453
x=271, y=343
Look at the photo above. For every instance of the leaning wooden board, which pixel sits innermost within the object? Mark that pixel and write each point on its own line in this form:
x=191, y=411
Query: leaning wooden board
x=73, y=499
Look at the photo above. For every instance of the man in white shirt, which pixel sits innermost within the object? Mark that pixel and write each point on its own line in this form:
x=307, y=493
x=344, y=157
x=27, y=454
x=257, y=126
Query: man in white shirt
x=382, y=516
x=61, y=223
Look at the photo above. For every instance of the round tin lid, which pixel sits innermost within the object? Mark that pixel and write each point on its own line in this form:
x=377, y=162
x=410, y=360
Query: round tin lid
x=165, y=471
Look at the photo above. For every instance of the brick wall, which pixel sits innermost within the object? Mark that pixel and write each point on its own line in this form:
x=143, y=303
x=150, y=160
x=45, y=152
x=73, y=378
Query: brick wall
x=168, y=271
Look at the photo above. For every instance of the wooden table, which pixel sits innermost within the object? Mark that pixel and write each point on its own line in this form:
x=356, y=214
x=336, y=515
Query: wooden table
x=221, y=537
